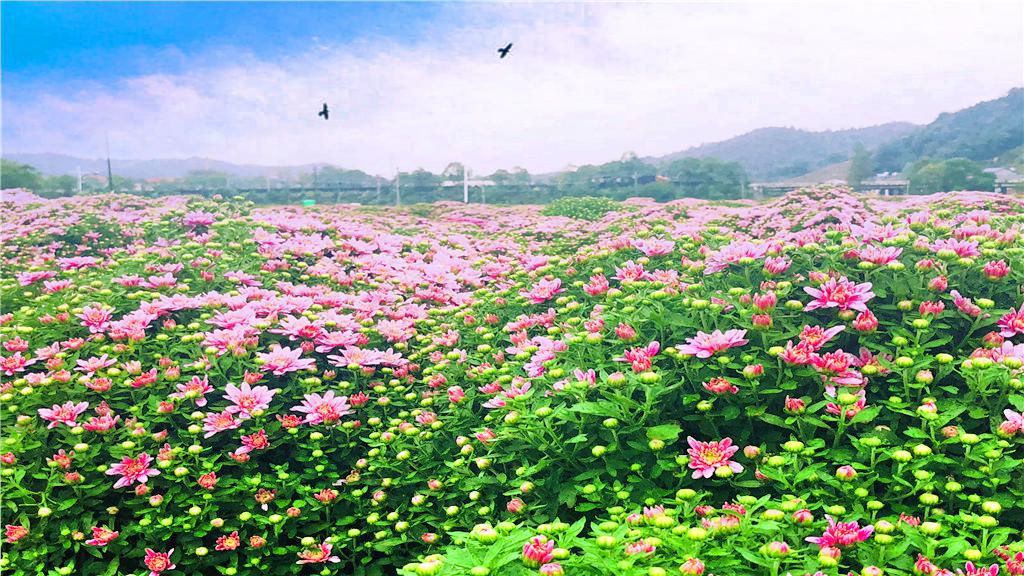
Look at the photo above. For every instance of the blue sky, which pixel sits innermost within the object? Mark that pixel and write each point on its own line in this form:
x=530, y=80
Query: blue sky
x=420, y=85
x=62, y=41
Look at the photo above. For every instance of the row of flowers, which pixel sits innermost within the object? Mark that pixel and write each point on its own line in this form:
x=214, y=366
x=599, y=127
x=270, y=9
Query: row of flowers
x=206, y=386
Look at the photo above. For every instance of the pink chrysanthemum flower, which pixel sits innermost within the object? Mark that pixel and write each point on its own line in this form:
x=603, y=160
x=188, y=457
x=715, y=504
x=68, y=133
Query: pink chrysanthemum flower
x=281, y=361
x=706, y=457
x=101, y=536
x=196, y=388
x=1012, y=323
x=318, y=555
x=840, y=293
x=841, y=534
x=538, y=550
x=543, y=291
x=879, y=255
x=815, y=336
x=133, y=470
x=248, y=399
x=323, y=409
x=641, y=359
x=66, y=413
x=158, y=562
x=95, y=318
x=971, y=570
x=704, y=345
x=219, y=422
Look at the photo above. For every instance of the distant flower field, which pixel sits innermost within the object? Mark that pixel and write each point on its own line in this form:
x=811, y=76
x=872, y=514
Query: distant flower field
x=824, y=383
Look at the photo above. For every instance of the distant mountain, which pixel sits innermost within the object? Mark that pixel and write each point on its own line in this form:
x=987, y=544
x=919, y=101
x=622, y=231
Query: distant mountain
x=831, y=173
x=981, y=133
x=780, y=153
x=58, y=164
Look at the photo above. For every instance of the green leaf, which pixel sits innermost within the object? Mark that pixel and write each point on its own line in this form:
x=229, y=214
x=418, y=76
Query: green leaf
x=1017, y=401
x=597, y=409
x=866, y=415
x=666, y=432
x=775, y=421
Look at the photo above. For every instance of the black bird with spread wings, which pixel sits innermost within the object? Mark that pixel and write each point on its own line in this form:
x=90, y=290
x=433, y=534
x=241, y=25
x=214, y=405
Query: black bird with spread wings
x=324, y=112
x=504, y=51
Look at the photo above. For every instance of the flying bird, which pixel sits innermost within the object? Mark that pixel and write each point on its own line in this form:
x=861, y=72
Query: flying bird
x=504, y=51
x=324, y=112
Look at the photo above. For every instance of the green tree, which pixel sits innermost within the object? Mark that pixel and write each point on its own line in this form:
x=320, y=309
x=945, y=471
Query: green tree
x=708, y=178
x=56, y=186
x=862, y=166
x=18, y=175
x=927, y=177
x=201, y=179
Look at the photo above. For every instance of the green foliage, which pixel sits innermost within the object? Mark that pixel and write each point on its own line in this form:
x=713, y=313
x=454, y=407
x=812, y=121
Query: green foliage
x=780, y=153
x=18, y=175
x=927, y=177
x=862, y=166
x=581, y=208
x=707, y=178
x=981, y=133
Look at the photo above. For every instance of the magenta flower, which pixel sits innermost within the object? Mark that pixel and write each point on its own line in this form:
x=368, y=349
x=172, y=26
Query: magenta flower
x=248, y=399
x=842, y=534
x=94, y=364
x=196, y=388
x=101, y=536
x=65, y=413
x=323, y=409
x=704, y=345
x=133, y=470
x=539, y=550
x=654, y=246
x=707, y=457
x=840, y=293
x=318, y=555
x=95, y=318
x=157, y=562
x=1012, y=323
x=878, y=255
x=280, y=360
x=642, y=359
x=543, y=291
x=219, y=422
x=971, y=570
x=10, y=365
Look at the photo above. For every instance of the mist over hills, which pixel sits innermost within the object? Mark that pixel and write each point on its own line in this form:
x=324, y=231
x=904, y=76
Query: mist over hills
x=981, y=132
x=778, y=153
x=59, y=164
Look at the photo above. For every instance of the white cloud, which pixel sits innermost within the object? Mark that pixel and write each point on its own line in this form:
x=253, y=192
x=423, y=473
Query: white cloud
x=583, y=84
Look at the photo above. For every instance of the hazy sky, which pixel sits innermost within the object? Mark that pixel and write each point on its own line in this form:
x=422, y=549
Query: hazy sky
x=419, y=85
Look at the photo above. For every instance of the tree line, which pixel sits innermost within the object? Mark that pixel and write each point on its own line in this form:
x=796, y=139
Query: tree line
x=702, y=178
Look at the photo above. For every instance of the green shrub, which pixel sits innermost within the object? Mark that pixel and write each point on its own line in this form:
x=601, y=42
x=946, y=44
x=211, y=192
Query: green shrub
x=582, y=208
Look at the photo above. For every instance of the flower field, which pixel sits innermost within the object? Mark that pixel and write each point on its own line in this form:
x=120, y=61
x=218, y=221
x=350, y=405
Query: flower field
x=823, y=383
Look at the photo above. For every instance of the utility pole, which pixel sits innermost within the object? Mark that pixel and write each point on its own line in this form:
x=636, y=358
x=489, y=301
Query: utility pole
x=398, y=187
x=465, y=184
x=634, y=182
x=79, y=180
x=110, y=173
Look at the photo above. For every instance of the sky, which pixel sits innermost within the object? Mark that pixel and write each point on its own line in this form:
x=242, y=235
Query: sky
x=415, y=85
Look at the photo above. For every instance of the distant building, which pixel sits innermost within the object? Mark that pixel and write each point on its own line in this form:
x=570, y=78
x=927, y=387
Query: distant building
x=471, y=183
x=1007, y=179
